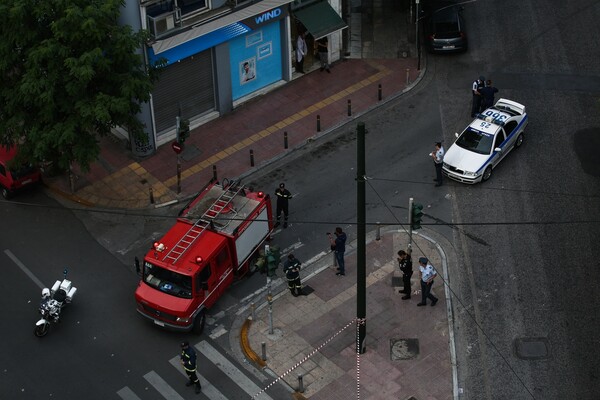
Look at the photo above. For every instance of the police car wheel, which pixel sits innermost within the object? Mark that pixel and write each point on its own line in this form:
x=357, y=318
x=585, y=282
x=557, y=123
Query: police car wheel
x=487, y=174
x=199, y=322
x=519, y=141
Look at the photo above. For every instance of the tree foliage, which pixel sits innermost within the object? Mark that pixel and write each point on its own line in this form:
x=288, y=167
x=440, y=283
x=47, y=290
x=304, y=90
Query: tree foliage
x=70, y=73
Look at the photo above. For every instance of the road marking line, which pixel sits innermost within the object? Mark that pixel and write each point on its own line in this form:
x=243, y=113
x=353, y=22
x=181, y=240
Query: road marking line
x=207, y=388
x=24, y=269
x=229, y=369
x=127, y=394
x=162, y=386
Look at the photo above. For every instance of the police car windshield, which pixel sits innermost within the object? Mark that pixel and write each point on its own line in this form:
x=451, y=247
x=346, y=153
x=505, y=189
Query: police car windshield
x=475, y=141
x=166, y=281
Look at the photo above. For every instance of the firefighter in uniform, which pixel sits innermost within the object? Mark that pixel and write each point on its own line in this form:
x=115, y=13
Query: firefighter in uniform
x=283, y=195
x=188, y=360
x=291, y=267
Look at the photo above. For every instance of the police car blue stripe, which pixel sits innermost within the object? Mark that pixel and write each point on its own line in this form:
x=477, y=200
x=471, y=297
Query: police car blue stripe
x=501, y=144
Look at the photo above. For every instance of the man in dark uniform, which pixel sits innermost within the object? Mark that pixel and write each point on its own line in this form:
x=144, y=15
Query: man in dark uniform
x=487, y=95
x=283, y=196
x=405, y=263
x=477, y=86
x=291, y=267
x=188, y=360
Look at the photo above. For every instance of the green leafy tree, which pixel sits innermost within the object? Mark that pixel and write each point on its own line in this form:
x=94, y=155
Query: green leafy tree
x=70, y=73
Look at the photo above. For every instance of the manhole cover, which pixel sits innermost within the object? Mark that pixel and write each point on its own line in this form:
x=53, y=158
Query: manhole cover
x=396, y=281
x=586, y=142
x=307, y=290
x=404, y=349
x=531, y=348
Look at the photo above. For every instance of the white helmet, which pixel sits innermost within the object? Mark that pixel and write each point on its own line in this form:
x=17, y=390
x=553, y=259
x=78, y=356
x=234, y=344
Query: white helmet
x=45, y=293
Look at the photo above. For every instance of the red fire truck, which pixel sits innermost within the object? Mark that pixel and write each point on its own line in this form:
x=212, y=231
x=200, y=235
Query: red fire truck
x=214, y=240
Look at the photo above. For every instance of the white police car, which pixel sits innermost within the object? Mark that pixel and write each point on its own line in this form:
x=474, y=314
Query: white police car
x=485, y=142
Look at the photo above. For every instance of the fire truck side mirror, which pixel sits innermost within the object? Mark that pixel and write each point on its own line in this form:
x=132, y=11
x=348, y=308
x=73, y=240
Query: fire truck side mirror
x=138, y=270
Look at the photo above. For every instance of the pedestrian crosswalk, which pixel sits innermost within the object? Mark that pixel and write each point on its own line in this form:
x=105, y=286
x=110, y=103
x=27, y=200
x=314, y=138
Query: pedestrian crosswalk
x=244, y=387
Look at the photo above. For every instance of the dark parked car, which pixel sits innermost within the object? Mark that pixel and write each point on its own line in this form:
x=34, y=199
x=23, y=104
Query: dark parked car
x=445, y=28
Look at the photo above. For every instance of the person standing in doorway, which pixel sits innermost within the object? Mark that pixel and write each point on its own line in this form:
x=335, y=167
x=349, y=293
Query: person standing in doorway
x=438, y=161
x=338, y=245
x=405, y=263
x=188, y=360
x=323, y=53
x=301, y=51
x=283, y=197
x=428, y=274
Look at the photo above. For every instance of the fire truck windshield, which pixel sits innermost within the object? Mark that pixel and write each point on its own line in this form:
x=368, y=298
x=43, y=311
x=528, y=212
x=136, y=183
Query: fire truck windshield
x=166, y=281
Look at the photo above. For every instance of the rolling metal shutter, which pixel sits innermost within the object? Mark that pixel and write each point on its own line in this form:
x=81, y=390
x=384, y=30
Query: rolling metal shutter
x=187, y=86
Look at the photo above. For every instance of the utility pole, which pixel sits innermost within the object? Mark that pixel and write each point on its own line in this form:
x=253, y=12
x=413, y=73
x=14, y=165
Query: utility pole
x=361, y=236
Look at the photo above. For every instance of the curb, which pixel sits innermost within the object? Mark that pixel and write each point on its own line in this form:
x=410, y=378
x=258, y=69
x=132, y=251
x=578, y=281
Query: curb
x=245, y=344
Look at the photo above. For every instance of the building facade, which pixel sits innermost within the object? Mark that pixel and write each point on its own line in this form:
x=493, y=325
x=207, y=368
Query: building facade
x=216, y=54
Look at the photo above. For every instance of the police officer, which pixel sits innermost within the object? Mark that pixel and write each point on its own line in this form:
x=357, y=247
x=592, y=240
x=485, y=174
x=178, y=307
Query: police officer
x=283, y=196
x=487, y=95
x=438, y=161
x=291, y=267
x=405, y=263
x=188, y=360
x=477, y=86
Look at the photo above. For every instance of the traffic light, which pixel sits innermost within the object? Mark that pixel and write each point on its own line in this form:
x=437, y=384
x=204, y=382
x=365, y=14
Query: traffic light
x=416, y=216
x=184, y=131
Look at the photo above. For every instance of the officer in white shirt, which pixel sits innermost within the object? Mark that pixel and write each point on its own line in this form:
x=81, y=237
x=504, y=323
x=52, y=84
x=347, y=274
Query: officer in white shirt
x=438, y=161
x=428, y=274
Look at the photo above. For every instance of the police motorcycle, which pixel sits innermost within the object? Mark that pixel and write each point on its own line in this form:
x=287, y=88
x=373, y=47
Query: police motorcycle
x=53, y=300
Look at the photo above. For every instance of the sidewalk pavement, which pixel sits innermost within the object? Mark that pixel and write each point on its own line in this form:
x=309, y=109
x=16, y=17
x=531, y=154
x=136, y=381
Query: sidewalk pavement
x=409, y=349
x=119, y=181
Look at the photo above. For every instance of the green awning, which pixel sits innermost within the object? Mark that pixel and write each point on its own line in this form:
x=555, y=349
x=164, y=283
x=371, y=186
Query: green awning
x=320, y=19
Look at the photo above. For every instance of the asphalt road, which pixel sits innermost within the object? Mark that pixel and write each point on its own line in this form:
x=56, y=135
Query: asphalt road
x=525, y=286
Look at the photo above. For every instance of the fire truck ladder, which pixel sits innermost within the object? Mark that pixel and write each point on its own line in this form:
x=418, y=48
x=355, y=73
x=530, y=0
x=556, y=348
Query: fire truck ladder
x=221, y=203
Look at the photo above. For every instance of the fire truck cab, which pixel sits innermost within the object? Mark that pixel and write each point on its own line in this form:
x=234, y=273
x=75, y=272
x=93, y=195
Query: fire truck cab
x=214, y=240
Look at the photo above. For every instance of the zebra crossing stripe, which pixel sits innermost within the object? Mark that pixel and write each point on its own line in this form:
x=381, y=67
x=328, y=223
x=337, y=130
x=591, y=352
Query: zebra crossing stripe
x=127, y=394
x=229, y=369
x=162, y=386
x=207, y=388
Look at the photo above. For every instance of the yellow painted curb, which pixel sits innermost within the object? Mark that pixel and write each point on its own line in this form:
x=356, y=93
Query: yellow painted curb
x=250, y=354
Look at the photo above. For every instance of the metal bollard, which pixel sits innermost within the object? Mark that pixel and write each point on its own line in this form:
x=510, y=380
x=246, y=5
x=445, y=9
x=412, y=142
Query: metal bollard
x=349, y=108
x=407, y=76
x=215, y=172
x=151, y=195
x=300, y=384
x=379, y=94
x=252, y=158
x=253, y=311
x=263, y=347
x=318, y=123
x=285, y=140
x=378, y=232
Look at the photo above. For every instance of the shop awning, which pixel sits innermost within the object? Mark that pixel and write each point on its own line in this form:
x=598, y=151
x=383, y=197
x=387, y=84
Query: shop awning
x=257, y=8
x=320, y=19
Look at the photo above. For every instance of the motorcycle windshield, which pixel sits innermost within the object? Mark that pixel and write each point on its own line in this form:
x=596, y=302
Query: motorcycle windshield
x=167, y=281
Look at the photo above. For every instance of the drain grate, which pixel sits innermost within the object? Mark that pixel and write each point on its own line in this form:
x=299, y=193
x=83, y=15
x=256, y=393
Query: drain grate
x=404, y=349
x=531, y=348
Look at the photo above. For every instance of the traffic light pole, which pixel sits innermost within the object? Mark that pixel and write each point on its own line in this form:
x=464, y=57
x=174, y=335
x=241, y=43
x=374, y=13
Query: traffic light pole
x=361, y=237
x=410, y=225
